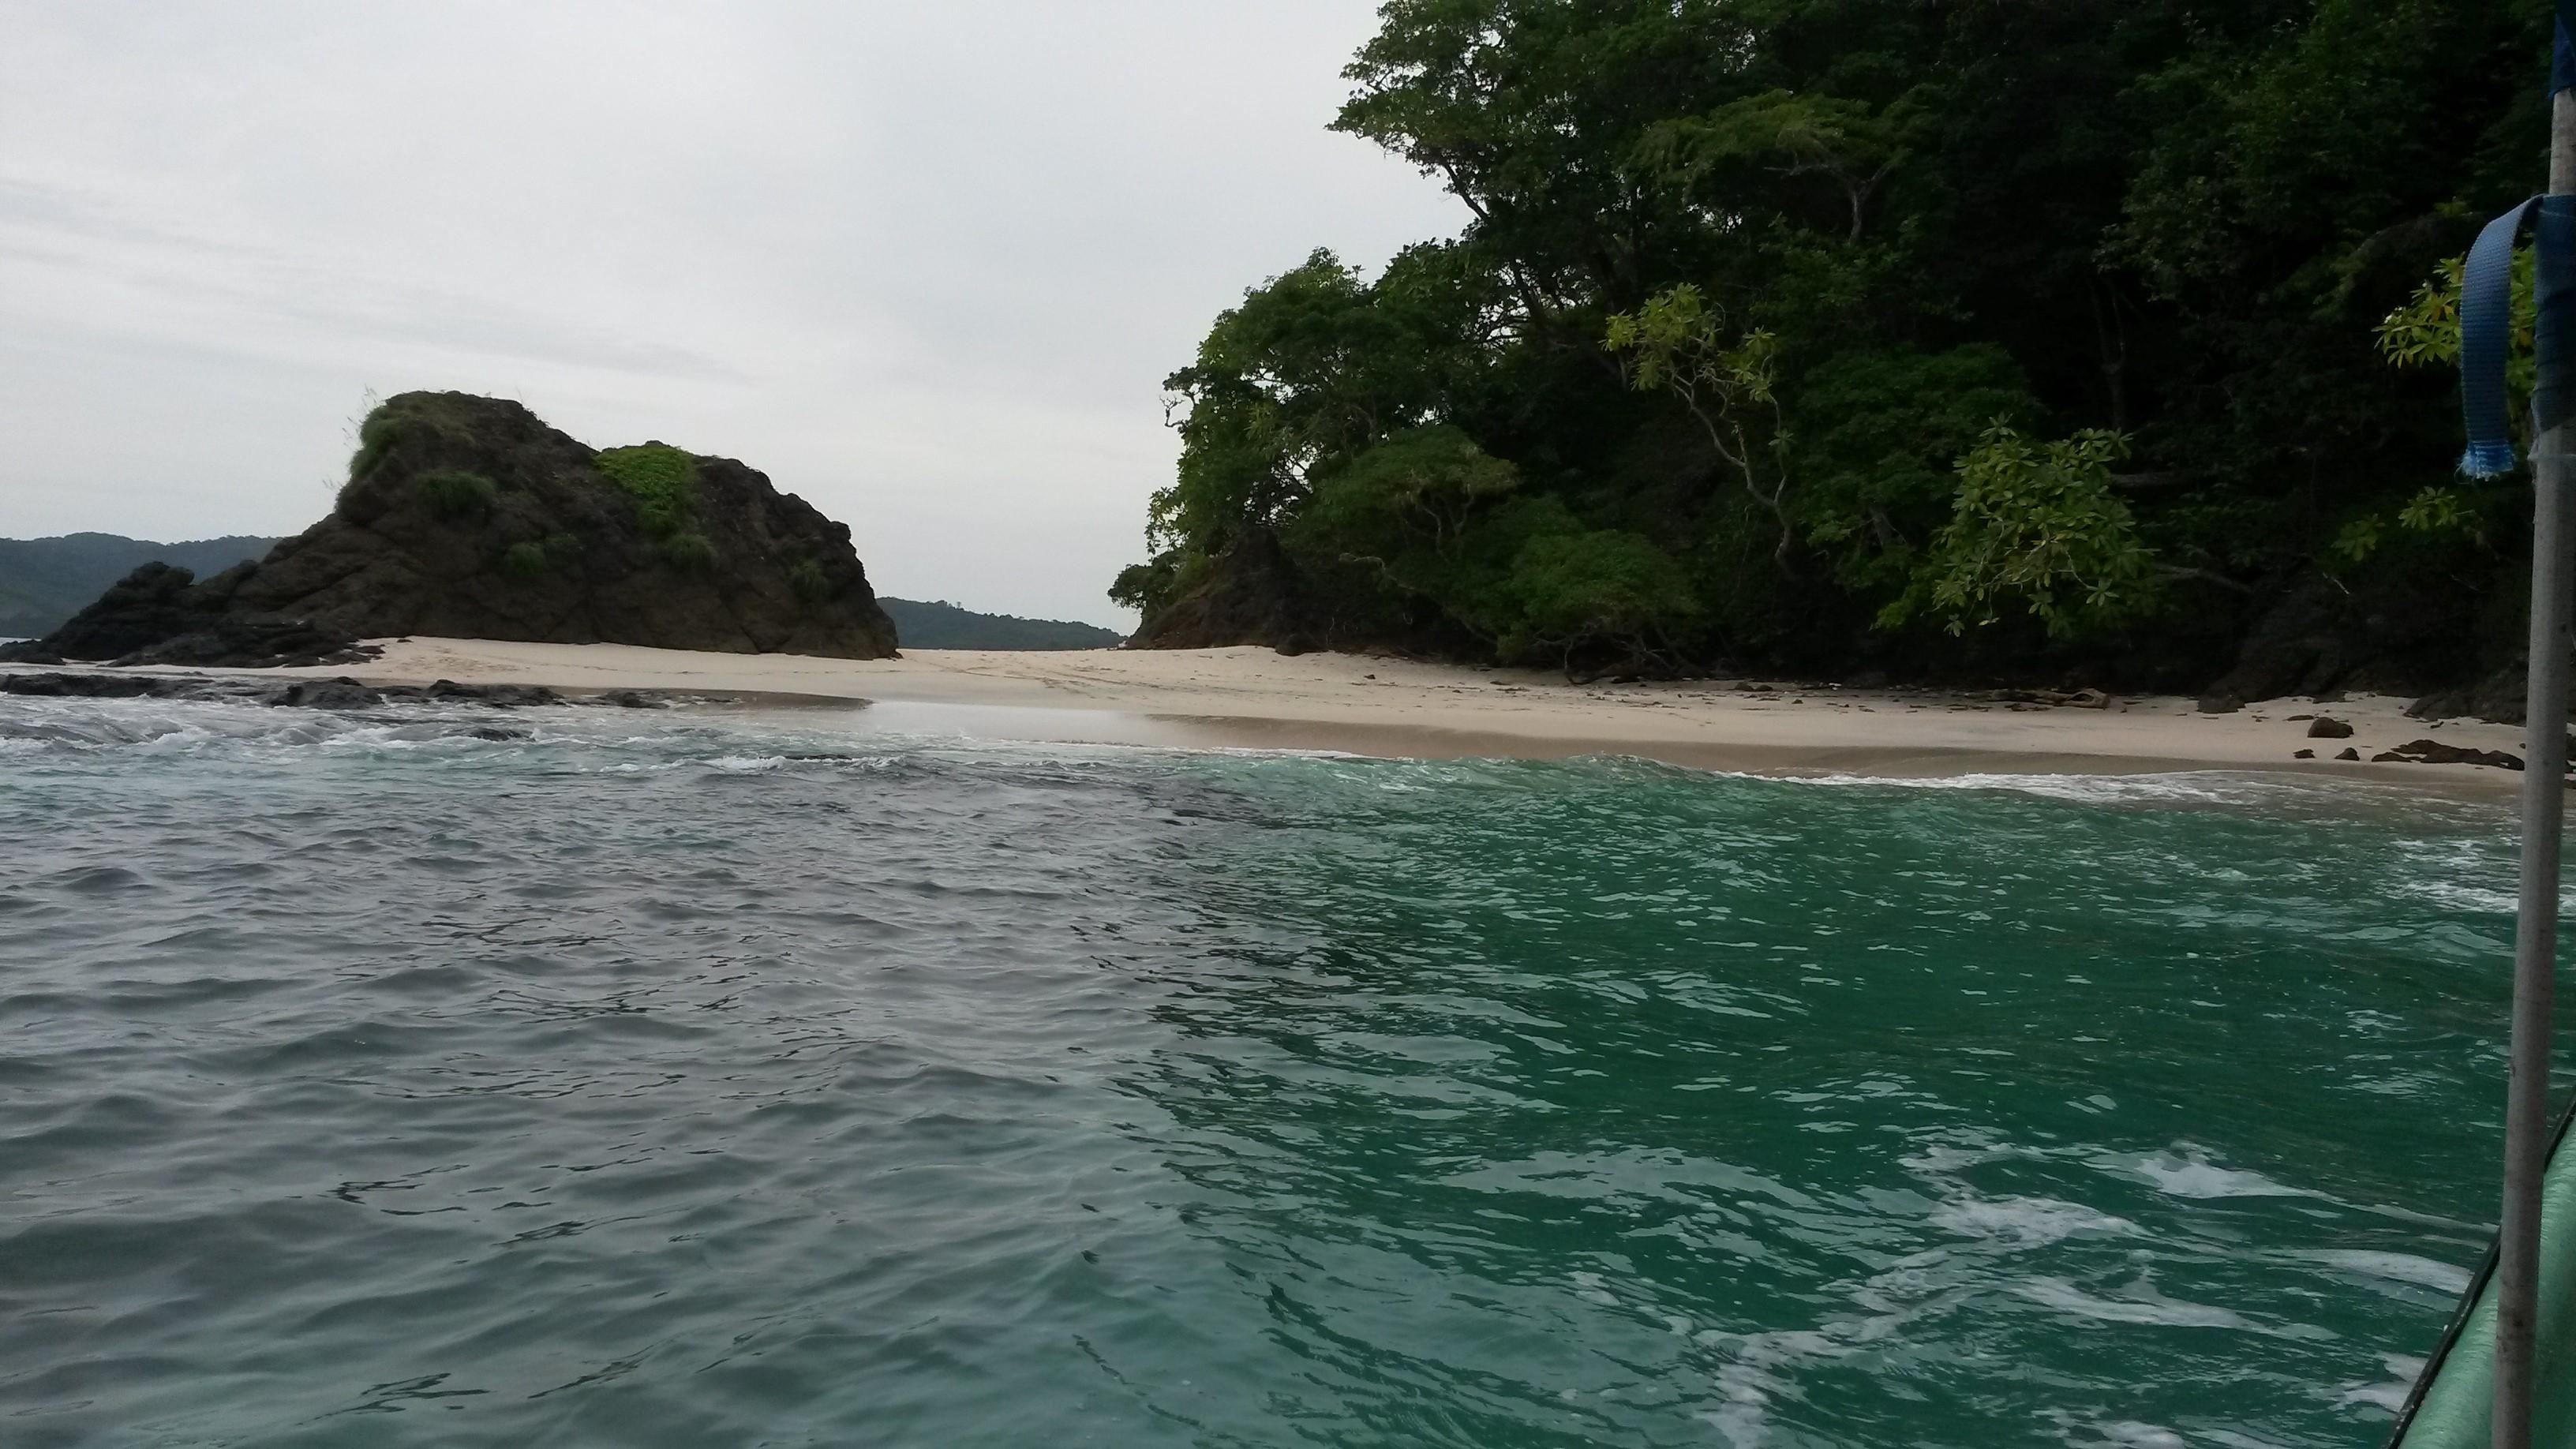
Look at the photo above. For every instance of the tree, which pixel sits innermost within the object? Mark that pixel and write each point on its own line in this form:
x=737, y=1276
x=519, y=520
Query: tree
x=1748, y=280
x=2035, y=527
x=1677, y=343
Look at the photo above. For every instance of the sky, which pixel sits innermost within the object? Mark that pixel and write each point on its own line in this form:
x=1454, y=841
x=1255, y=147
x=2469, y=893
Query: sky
x=924, y=264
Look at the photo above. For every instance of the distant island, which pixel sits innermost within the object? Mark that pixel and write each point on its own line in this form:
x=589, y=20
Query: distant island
x=942, y=625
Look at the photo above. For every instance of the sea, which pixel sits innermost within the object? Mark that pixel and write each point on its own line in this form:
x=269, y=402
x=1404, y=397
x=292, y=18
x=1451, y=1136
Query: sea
x=734, y=1076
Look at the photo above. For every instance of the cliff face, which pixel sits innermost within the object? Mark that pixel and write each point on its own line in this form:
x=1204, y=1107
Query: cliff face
x=469, y=517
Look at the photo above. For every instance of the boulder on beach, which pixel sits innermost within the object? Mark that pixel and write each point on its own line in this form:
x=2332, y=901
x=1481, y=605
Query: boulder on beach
x=469, y=517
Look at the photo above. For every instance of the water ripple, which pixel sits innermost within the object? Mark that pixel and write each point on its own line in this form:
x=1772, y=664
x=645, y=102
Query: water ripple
x=722, y=1079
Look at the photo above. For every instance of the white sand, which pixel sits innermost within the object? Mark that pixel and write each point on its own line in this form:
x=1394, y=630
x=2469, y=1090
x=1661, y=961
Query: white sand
x=1252, y=696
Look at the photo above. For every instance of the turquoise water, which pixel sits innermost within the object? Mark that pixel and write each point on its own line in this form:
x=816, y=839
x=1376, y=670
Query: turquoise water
x=705, y=1079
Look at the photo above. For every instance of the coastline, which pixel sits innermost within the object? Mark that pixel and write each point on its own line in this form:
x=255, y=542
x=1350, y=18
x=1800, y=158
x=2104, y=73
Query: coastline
x=1255, y=698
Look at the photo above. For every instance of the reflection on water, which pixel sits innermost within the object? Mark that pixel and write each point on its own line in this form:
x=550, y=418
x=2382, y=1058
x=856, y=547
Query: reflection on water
x=711, y=1079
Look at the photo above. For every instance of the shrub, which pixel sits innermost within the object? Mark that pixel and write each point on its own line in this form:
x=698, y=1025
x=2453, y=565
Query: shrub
x=689, y=552
x=376, y=437
x=1594, y=590
x=524, y=560
x=661, y=479
x=453, y=493
x=808, y=582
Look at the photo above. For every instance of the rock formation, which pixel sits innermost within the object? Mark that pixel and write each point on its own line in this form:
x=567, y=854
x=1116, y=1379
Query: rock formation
x=468, y=517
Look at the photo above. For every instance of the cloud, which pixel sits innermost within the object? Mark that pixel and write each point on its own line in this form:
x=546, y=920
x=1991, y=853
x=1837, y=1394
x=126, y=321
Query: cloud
x=925, y=265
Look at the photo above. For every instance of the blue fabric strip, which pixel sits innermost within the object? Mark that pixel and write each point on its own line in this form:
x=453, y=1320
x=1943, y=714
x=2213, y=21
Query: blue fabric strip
x=2562, y=55
x=2486, y=341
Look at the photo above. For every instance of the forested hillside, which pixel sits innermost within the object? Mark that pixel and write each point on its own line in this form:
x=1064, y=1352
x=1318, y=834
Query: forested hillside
x=44, y=581
x=943, y=625
x=1945, y=337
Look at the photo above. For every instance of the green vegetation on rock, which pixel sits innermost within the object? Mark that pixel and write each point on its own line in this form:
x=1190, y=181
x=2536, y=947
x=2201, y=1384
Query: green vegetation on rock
x=524, y=560
x=807, y=581
x=1991, y=339
x=661, y=479
x=453, y=493
x=688, y=552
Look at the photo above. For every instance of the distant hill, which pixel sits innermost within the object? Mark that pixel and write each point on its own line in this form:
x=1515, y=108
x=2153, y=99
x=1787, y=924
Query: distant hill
x=44, y=581
x=946, y=626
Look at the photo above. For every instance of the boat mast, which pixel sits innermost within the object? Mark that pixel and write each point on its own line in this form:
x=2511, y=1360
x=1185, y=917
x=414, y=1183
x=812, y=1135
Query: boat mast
x=2526, y=1147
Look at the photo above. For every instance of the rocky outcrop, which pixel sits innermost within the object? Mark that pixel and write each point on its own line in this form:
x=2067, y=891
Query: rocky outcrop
x=335, y=694
x=1251, y=595
x=469, y=517
x=157, y=615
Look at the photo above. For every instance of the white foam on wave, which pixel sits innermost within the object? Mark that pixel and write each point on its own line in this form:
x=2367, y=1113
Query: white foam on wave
x=2447, y=1278
x=2389, y=1393
x=2030, y=1221
x=747, y=764
x=2065, y=1297
x=2188, y=1172
x=2216, y=787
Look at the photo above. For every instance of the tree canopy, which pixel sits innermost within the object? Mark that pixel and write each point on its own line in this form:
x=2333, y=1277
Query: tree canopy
x=1977, y=334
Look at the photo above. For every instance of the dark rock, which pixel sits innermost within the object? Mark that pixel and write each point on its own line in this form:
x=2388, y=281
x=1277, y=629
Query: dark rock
x=88, y=686
x=1252, y=594
x=1294, y=645
x=468, y=517
x=2349, y=754
x=342, y=693
x=2329, y=729
x=2304, y=643
x=2434, y=752
x=2498, y=696
x=629, y=699
x=2303, y=754
x=142, y=609
x=2221, y=703
x=324, y=694
x=2395, y=632
x=507, y=696
x=488, y=733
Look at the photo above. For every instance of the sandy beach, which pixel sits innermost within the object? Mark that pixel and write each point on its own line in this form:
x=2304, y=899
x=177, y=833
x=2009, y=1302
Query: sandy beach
x=1257, y=698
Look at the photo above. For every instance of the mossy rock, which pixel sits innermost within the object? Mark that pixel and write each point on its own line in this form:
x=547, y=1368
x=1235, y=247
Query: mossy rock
x=661, y=479
x=454, y=494
x=469, y=517
x=525, y=560
x=690, y=553
x=808, y=582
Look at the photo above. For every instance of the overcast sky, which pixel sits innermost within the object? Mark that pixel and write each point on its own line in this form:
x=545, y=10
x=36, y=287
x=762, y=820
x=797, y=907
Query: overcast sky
x=924, y=264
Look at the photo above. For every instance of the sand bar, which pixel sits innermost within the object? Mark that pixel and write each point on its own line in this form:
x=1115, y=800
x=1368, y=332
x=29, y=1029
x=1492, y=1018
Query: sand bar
x=1252, y=697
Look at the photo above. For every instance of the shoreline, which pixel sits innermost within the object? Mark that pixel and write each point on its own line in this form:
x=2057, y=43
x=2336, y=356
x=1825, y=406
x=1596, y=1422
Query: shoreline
x=1255, y=698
